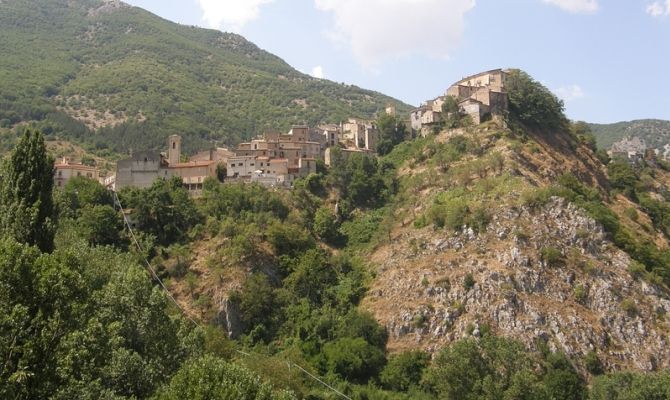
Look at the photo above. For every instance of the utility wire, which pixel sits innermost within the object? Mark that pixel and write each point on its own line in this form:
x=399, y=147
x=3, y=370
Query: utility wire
x=290, y=363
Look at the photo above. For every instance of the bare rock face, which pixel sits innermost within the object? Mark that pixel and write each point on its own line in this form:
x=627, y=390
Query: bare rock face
x=228, y=317
x=108, y=6
x=548, y=274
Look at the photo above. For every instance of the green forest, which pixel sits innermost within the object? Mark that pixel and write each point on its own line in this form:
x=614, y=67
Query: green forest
x=65, y=61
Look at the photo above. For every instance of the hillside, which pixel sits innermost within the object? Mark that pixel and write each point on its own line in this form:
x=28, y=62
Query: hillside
x=656, y=133
x=510, y=238
x=119, y=77
x=516, y=230
x=501, y=260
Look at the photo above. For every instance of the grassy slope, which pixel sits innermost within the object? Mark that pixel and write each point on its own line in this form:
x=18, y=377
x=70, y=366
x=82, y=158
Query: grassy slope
x=203, y=84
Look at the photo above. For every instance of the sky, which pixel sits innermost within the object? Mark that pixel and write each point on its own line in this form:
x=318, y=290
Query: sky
x=609, y=60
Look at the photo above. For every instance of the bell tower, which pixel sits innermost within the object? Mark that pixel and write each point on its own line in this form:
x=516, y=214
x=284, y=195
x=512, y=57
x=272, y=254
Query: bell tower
x=174, y=149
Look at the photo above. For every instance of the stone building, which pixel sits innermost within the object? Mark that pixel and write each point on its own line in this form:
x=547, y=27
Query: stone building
x=478, y=96
x=65, y=170
x=359, y=134
x=276, y=158
x=143, y=168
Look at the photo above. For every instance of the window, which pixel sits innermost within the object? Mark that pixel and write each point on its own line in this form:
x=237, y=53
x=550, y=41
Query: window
x=78, y=173
x=60, y=173
x=174, y=145
x=252, y=164
x=239, y=164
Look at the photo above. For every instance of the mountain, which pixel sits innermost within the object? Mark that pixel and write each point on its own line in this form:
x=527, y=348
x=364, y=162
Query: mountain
x=498, y=260
x=655, y=132
x=506, y=228
x=119, y=77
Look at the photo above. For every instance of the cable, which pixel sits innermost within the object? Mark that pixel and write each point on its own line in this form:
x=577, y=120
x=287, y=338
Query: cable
x=290, y=363
x=149, y=267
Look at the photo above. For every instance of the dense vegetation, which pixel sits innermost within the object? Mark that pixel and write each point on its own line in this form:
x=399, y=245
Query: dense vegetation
x=533, y=104
x=81, y=318
x=656, y=133
x=64, y=59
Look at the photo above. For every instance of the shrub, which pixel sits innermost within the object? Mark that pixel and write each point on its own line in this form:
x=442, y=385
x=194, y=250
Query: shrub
x=479, y=219
x=636, y=269
x=450, y=214
x=629, y=306
x=468, y=281
x=593, y=363
x=353, y=359
x=404, y=370
x=551, y=256
x=632, y=214
x=580, y=294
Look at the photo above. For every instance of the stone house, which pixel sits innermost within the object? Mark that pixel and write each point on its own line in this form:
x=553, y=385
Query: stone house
x=143, y=168
x=66, y=170
x=477, y=95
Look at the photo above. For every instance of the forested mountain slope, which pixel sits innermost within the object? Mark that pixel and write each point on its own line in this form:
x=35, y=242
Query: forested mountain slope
x=120, y=77
x=655, y=132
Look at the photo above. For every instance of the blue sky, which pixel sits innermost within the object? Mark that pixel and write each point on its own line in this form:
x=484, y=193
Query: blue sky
x=608, y=59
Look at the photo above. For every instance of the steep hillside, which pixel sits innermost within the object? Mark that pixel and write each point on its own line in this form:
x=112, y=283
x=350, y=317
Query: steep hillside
x=521, y=235
x=118, y=77
x=656, y=133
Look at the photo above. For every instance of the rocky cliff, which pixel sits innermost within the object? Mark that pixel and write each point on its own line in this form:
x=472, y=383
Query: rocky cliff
x=542, y=272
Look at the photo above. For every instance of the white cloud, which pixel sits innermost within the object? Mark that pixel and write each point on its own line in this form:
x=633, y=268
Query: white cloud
x=570, y=92
x=378, y=30
x=317, y=72
x=576, y=6
x=230, y=14
x=659, y=8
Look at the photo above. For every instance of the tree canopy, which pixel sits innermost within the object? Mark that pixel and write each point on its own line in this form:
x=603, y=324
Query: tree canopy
x=26, y=187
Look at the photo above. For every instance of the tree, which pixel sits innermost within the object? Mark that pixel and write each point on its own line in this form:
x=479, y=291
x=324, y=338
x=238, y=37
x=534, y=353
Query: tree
x=353, y=359
x=257, y=301
x=164, y=210
x=533, y=104
x=451, y=112
x=100, y=225
x=392, y=131
x=404, y=370
x=26, y=194
x=79, y=192
x=211, y=378
x=326, y=225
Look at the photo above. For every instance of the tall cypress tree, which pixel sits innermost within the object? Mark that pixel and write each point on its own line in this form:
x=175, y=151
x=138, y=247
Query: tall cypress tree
x=27, y=209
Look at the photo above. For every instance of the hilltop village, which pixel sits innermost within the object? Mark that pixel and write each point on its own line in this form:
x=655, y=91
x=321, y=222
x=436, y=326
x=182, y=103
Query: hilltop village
x=276, y=159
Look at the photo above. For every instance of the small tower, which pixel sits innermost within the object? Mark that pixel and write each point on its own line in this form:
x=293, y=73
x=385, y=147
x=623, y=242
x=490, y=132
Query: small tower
x=390, y=110
x=174, y=149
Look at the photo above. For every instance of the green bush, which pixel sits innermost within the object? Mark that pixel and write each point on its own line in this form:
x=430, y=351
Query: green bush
x=552, y=256
x=532, y=103
x=593, y=364
x=404, y=370
x=468, y=281
x=580, y=294
x=629, y=305
x=353, y=359
x=215, y=379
